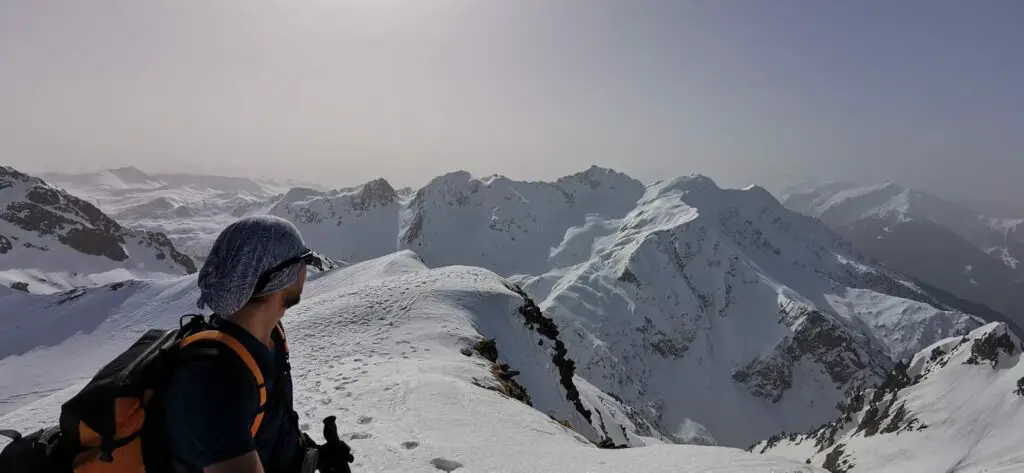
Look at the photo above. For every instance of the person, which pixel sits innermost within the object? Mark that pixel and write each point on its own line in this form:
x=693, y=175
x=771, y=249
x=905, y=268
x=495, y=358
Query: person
x=254, y=273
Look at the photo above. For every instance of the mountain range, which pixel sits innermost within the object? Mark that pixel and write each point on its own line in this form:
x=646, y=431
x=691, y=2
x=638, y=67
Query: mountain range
x=966, y=254
x=51, y=240
x=630, y=315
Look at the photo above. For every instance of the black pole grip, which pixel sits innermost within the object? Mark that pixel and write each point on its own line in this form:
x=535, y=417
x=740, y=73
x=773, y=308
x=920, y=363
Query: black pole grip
x=331, y=431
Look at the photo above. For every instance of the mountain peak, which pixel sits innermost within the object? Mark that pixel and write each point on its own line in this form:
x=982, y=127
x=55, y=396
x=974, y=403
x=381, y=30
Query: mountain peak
x=298, y=194
x=130, y=174
x=596, y=176
x=9, y=175
x=693, y=185
x=375, y=193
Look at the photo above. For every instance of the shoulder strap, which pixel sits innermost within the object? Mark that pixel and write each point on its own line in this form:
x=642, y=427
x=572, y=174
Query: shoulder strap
x=280, y=338
x=245, y=356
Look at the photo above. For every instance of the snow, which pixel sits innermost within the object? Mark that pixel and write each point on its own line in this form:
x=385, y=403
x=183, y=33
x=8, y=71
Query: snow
x=377, y=344
x=509, y=226
x=1004, y=254
x=841, y=204
x=903, y=326
x=971, y=411
x=189, y=209
x=694, y=314
x=47, y=264
x=352, y=224
x=687, y=288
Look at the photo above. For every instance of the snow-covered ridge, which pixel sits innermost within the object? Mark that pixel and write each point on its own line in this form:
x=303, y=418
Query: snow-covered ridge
x=956, y=406
x=692, y=313
x=727, y=316
x=52, y=240
x=506, y=225
x=387, y=346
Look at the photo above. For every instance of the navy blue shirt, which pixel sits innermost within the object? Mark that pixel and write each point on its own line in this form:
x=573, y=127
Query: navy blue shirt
x=210, y=404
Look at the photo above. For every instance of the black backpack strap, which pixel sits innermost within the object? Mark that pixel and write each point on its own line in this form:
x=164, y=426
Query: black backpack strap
x=14, y=435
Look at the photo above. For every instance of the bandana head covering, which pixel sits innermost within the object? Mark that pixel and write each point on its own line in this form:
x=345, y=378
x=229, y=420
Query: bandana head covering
x=243, y=251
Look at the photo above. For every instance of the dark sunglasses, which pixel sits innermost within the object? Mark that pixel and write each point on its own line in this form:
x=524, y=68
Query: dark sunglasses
x=307, y=257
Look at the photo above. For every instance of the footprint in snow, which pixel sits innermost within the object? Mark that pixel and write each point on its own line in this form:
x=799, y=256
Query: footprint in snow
x=445, y=465
x=365, y=420
x=410, y=445
x=361, y=435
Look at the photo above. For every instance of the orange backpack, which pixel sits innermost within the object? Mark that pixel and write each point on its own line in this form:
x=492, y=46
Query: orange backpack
x=106, y=427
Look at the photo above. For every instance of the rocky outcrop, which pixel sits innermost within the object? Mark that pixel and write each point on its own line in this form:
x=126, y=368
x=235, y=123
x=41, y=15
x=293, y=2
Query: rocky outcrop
x=35, y=207
x=536, y=321
x=74, y=222
x=846, y=357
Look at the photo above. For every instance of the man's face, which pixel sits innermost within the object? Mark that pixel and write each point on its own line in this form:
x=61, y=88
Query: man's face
x=291, y=295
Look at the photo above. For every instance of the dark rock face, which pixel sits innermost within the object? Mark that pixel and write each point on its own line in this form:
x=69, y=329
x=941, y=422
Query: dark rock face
x=768, y=379
x=9, y=176
x=830, y=344
x=50, y=211
x=163, y=248
x=546, y=327
x=51, y=220
x=834, y=461
x=987, y=349
x=846, y=357
x=376, y=193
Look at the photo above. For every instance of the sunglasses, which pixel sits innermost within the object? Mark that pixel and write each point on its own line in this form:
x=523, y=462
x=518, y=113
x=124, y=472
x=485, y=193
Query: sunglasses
x=307, y=258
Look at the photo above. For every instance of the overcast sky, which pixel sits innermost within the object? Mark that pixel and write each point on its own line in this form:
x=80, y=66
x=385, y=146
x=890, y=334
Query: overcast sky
x=927, y=93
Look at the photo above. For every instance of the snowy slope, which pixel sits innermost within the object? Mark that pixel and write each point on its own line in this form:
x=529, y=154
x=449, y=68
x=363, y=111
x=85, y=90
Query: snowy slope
x=772, y=312
x=51, y=240
x=494, y=222
x=727, y=318
x=969, y=255
x=958, y=407
x=509, y=226
x=382, y=345
x=354, y=224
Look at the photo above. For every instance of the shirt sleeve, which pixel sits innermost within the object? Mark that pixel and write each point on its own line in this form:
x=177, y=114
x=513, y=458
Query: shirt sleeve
x=209, y=406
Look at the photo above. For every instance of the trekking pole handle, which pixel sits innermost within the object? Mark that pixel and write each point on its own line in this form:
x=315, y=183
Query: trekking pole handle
x=331, y=430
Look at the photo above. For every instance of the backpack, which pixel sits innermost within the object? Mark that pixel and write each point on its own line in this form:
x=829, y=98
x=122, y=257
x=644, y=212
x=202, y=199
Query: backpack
x=107, y=428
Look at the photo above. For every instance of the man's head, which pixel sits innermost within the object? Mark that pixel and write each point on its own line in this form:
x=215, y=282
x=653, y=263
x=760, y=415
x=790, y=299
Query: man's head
x=256, y=261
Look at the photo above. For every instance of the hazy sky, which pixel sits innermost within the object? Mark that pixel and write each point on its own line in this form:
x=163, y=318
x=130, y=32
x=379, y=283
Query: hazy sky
x=928, y=93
